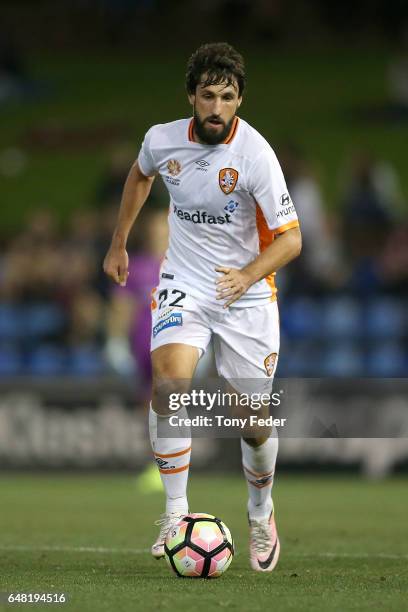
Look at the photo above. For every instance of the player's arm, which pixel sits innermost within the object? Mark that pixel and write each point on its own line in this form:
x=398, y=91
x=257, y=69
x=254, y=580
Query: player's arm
x=135, y=193
x=234, y=283
x=281, y=251
x=267, y=185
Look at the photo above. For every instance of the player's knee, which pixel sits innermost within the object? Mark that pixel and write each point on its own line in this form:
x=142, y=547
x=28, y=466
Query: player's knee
x=164, y=392
x=256, y=441
x=256, y=433
x=255, y=429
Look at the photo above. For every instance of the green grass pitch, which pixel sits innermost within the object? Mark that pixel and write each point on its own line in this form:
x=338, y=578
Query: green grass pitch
x=344, y=544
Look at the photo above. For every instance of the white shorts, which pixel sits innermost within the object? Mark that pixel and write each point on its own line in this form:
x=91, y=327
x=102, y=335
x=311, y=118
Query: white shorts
x=246, y=340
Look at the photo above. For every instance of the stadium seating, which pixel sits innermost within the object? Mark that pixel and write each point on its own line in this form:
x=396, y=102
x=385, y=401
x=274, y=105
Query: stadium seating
x=342, y=318
x=336, y=336
x=11, y=361
x=43, y=321
x=86, y=361
x=47, y=360
x=11, y=322
x=386, y=318
x=387, y=359
x=301, y=318
x=343, y=358
x=343, y=336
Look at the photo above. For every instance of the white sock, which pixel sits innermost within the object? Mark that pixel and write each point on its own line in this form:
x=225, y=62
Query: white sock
x=173, y=460
x=259, y=468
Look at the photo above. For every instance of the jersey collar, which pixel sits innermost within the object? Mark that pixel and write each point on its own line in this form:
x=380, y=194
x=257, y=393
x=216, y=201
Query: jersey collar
x=229, y=138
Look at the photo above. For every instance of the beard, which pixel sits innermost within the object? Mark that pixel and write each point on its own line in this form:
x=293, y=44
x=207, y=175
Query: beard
x=209, y=135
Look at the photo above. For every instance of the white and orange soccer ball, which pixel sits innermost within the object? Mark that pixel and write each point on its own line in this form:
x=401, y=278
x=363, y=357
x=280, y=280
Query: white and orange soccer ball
x=199, y=546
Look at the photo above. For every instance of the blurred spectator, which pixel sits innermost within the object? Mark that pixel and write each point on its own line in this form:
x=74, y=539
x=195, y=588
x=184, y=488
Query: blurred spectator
x=32, y=262
x=125, y=18
x=79, y=286
x=86, y=319
x=77, y=292
x=109, y=190
x=110, y=187
x=13, y=74
x=319, y=267
x=372, y=194
x=15, y=80
x=129, y=325
x=393, y=262
x=369, y=211
x=42, y=267
x=398, y=82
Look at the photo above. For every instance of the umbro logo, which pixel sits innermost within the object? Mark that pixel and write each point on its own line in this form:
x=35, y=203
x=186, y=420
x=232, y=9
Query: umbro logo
x=202, y=164
x=164, y=465
x=264, y=480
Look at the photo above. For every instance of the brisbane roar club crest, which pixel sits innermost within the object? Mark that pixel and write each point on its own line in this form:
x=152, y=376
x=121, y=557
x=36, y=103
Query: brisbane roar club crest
x=227, y=179
x=269, y=363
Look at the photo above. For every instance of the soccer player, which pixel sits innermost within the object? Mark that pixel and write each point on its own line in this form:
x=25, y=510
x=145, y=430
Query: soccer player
x=232, y=225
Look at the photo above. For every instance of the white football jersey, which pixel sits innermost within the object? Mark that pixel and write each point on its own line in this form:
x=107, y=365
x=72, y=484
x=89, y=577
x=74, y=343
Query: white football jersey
x=227, y=203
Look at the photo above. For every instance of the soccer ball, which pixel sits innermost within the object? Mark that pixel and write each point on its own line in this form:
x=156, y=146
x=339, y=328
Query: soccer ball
x=199, y=546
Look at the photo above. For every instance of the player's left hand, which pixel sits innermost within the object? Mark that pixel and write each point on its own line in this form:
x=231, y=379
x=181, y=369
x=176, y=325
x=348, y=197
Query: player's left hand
x=231, y=285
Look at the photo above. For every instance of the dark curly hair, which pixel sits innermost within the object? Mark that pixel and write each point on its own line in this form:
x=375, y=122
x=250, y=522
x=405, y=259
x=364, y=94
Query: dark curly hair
x=219, y=62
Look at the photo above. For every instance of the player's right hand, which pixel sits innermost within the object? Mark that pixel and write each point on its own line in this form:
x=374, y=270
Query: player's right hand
x=116, y=264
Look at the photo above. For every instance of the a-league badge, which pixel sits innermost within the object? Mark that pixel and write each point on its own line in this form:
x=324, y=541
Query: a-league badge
x=174, y=167
x=269, y=363
x=227, y=179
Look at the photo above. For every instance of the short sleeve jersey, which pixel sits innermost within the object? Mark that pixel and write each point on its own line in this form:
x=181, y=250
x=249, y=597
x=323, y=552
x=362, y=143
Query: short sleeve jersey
x=228, y=202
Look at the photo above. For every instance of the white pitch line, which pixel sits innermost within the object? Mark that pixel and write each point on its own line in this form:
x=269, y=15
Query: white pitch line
x=345, y=555
x=91, y=549
x=143, y=551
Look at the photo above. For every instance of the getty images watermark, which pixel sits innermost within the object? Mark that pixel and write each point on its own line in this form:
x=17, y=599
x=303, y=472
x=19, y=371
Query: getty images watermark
x=298, y=408
x=240, y=406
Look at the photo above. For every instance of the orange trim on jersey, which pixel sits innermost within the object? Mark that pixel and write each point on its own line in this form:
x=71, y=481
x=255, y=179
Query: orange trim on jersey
x=266, y=237
x=153, y=303
x=190, y=131
x=175, y=470
x=183, y=452
x=288, y=226
x=233, y=131
x=229, y=138
x=163, y=259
